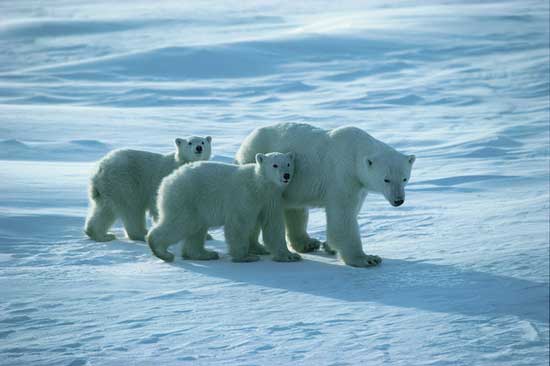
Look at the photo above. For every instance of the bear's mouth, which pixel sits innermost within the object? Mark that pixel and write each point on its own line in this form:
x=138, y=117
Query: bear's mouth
x=285, y=181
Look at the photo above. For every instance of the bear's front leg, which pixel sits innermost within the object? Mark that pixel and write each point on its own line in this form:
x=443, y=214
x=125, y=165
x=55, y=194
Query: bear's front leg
x=273, y=229
x=154, y=213
x=343, y=235
x=254, y=246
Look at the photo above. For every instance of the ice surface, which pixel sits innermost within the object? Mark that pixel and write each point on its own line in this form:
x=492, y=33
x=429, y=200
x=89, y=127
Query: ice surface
x=463, y=85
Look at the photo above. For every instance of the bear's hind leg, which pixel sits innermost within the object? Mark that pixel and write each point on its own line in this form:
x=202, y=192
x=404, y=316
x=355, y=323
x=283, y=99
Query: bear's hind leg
x=161, y=237
x=296, y=231
x=99, y=221
x=193, y=247
x=134, y=224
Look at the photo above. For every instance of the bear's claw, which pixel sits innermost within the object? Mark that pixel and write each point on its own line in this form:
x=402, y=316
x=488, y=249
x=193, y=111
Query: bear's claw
x=306, y=245
x=366, y=261
x=246, y=258
x=107, y=237
x=287, y=257
x=99, y=238
x=204, y=255
x=328, y=249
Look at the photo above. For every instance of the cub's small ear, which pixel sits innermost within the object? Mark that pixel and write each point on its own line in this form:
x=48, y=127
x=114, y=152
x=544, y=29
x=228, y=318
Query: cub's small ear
x=412, y=159
x=179, y=141
x=291, y=155
x=369, y=162
x=209, y=138
x=260, y=158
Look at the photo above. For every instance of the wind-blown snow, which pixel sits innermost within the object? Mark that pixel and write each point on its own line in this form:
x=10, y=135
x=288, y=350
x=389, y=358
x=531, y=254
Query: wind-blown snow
x=463, y=85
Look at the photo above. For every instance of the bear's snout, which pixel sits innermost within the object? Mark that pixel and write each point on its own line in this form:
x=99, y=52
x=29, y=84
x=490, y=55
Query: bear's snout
x=397, y=203
x=198, y=149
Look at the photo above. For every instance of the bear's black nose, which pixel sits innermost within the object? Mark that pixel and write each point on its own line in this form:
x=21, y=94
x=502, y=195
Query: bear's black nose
x=398, y=202
x=286, y=176
x=198, y=149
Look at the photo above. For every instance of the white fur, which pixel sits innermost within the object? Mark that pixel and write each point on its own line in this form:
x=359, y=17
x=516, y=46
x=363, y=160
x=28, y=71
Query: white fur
x=241, y=198
x=125, y=184
x=334, y=169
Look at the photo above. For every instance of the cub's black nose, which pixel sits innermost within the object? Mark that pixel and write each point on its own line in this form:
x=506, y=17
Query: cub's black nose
x=286, y=176
x=198, y=149
x=398, y=202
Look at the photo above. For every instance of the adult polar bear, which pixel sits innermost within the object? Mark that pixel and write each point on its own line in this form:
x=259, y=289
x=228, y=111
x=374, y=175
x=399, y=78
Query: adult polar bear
x=334, y=169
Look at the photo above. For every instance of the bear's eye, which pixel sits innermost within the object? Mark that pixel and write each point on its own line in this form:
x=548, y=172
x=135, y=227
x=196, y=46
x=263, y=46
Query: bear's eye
x=404, y=179
x=386, y=180
x=288, y=165
x=190, y=144
x=202, y=142
x=275, y=166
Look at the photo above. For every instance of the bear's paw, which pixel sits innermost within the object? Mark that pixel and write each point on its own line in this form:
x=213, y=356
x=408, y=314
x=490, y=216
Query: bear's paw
x=365, y=261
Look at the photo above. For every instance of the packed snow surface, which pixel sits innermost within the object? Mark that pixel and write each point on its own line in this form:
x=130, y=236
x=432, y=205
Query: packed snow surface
x=463, y=85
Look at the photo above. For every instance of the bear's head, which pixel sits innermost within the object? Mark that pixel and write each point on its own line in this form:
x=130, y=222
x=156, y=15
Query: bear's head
x=387, y=173
x=278, y=168
x=193, y=148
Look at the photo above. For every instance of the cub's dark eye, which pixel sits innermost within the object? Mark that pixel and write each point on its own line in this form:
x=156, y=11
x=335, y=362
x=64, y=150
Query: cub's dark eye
x=404, y=180
x=288, y=165
x=190, y=144
x=275, y=166
x=202, y=142
x=386, y=180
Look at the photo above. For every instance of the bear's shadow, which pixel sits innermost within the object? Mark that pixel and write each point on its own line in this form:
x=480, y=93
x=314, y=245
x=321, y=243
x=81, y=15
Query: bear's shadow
x=412, y=284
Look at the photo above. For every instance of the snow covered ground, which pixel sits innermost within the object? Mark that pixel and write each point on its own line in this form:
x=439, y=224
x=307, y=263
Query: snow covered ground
x=463, y=85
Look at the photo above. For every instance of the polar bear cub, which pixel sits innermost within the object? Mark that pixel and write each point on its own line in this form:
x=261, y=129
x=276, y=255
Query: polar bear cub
x=241, y=198
x=125, y=184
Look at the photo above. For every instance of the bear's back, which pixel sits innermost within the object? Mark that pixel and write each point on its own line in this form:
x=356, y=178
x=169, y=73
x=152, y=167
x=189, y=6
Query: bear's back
x=207, y=187
x=204, y=177
x=126, y=169
x=130, y=160
x=207, y=170
x=300, y=138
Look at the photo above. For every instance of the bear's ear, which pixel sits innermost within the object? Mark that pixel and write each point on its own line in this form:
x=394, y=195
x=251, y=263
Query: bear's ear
x=179, y=142
x=291, y=155
x=209, y=138
x=260, y=158
x=412, y=159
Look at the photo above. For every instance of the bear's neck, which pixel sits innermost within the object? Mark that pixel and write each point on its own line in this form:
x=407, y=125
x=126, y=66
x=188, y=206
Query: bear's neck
x=264, y=186
x=176, y=160
x=171, y=163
